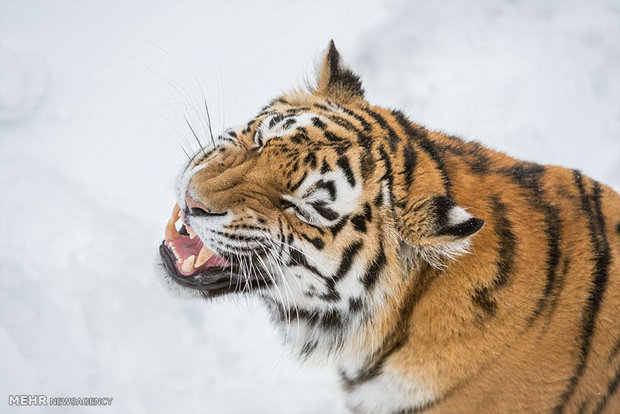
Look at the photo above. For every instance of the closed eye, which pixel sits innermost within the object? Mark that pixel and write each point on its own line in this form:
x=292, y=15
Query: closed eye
x=286, y=205
x=313, y=212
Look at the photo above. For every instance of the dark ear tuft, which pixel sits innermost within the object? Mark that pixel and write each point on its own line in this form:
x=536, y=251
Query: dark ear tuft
x=438, y=228
x=452, y=220
x=335, y=79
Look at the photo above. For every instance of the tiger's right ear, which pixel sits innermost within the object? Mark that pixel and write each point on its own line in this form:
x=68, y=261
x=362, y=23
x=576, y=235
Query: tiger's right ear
x=438, y=228
x=335, y=80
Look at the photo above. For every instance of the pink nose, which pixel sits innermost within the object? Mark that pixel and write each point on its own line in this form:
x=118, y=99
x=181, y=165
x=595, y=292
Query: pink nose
x=195, y=206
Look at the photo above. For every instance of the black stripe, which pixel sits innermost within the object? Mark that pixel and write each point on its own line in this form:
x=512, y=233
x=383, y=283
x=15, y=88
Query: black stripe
x=328, y=185
x=393, y=138
x=318, y=123
x=367, y=212
x=355, y=304
x=316, y=241
x=331, y=137
x=410, y=159
x=388, y=176
x=332, y=320
x=483, y=298
x=340, y=121
x=293, y=314
x=325, y=167
x=367, y=159
x=372, y=273
x=348, y=256
x=472, y=153
x=324, y=211
x=365, y=125
x=528, y=176
x=372, y=371
x=288, y=123
x=561, y=276
x=310, y=159
x=359, y=220
x=335, y=229
x=235, y=226
x=343, y=163
x=275, y=120
x=298, y=110
x=420, y=136
x=359, y=223
x=298, y=183
x=378, y=198
x=614, y=350
x=600, y=254
x=240, y=237
x=299, y=259
x=612, y=388
x=394, y=341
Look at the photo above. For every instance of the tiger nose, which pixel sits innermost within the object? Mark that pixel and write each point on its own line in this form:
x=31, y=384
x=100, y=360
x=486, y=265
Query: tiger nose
x=196, y=208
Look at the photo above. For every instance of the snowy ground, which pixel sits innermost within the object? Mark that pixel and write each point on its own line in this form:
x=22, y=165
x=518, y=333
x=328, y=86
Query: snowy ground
x=91, y=102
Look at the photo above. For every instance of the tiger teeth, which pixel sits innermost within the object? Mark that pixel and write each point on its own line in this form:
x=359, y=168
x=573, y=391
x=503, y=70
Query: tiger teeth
x=204, y=255
x=192, y=235
x=188, y=264
x=174, y=250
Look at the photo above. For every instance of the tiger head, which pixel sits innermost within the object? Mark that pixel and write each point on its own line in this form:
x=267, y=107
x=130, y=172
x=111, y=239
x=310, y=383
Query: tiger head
x=317, y=205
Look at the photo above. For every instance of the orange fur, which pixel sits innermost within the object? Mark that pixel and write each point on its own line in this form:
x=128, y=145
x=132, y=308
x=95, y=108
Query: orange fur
x=527, y=321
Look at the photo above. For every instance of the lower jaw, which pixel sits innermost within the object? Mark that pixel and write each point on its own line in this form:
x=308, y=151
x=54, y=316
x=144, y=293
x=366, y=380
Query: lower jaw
x=211, y=282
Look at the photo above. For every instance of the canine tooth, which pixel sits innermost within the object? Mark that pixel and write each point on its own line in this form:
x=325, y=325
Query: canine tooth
x=188, y=263
x=204, y=255
x=192, y=235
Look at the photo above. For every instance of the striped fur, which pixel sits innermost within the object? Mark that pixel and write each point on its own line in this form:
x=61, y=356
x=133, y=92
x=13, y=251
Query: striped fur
x=437, y=275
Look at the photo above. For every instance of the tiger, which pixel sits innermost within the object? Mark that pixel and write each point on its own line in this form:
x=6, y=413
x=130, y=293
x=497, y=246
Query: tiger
x=434, y=274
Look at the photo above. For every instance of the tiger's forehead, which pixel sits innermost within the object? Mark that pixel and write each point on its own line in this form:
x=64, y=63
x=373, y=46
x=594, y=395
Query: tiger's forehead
x=304, y=122
x=281, y=124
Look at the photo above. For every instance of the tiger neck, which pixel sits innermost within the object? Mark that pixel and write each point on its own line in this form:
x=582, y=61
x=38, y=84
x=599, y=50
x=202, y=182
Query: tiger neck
x=354, y=333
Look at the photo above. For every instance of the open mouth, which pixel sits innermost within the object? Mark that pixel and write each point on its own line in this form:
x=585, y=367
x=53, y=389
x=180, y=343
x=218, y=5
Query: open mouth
x=192, y=264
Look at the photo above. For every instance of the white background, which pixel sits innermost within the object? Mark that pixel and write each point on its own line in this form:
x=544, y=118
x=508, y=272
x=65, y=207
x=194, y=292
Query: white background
x=92, y=97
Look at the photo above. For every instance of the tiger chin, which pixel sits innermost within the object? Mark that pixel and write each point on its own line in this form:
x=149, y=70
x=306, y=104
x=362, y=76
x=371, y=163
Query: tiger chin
x=436, y=275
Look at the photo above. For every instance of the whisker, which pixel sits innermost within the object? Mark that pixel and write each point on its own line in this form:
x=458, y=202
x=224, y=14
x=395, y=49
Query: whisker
x=209, y=121
x=195, y=136
x=287, y=290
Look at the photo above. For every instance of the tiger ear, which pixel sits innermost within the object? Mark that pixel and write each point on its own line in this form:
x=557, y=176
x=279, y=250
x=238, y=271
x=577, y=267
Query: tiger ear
x=335, y=80
x=438, y=228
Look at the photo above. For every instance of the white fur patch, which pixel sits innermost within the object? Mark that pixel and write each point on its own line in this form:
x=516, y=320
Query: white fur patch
x=285, y=126
x=458, y=215
x=345, y=202
x=437, y=256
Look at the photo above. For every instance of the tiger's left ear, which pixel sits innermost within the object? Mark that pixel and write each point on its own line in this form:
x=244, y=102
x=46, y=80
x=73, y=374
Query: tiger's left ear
x=438, y=228
x=335, y=80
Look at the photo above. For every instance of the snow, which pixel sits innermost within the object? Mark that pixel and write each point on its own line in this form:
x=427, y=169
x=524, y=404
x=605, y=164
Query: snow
x=92, y=97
